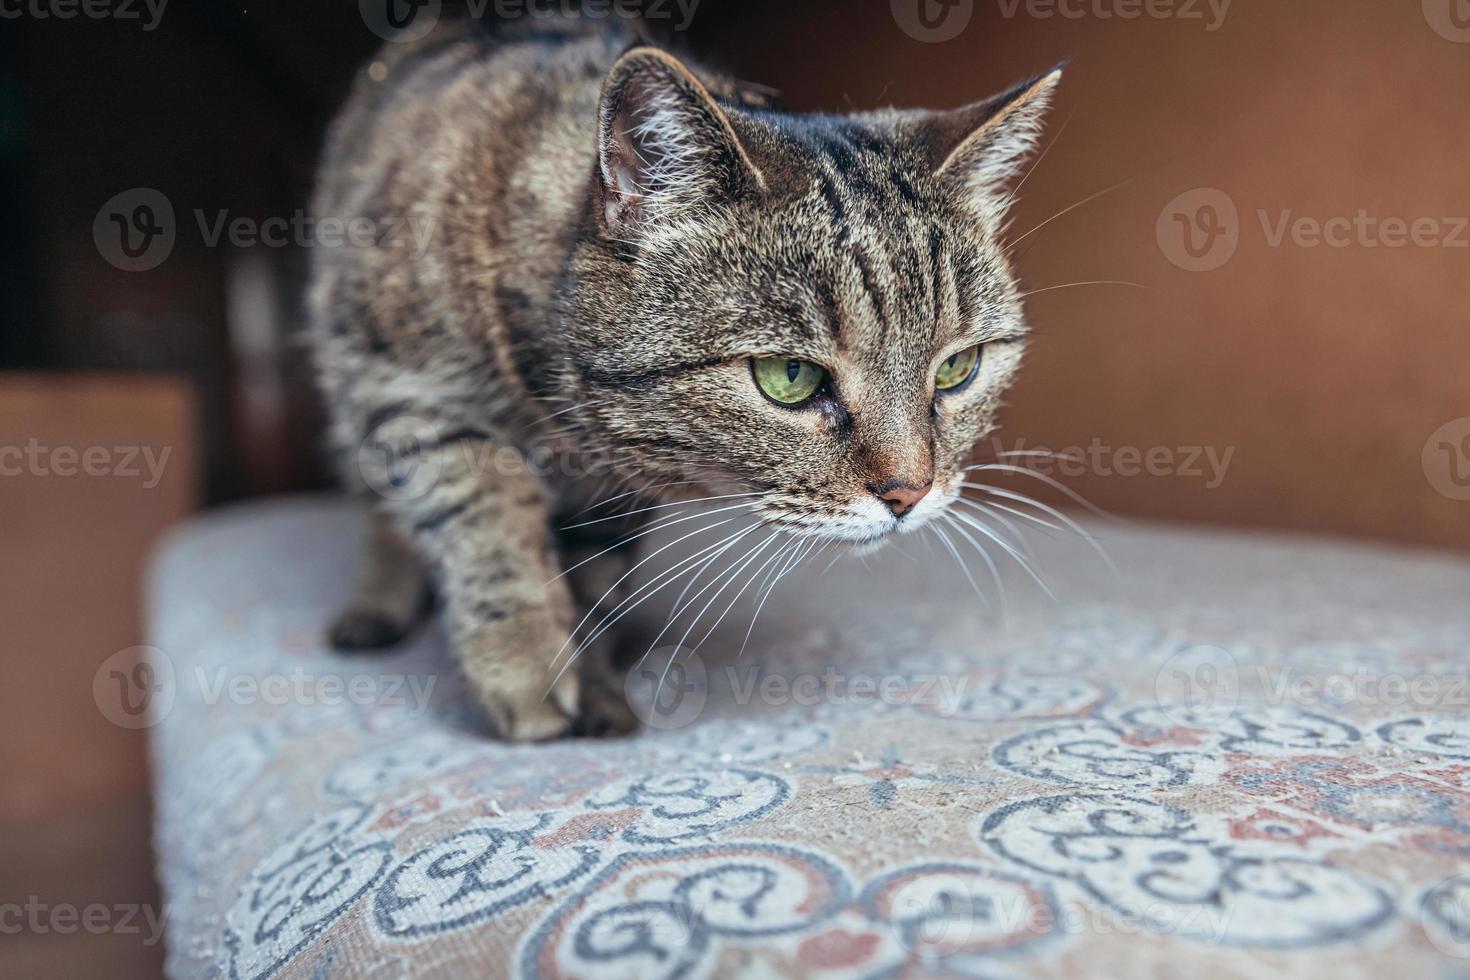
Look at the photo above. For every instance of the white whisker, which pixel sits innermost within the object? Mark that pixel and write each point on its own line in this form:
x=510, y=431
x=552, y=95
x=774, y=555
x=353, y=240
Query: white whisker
x=1041, y=156
x=960, y=562
x=730, y=580
x=770, y=559
x=628, y=574
x=994, y=569
x=1061, y=487
x=659, y=525
x=570, y=409
x=1005, y=546
x=994, y=510
x=991, y=506
x=1091, y=282
x=789, y=551
x=646, y=591
x=674, y=503
x=674, y=616
x=1070, y=524
x=634, y=492
x=1086, y=200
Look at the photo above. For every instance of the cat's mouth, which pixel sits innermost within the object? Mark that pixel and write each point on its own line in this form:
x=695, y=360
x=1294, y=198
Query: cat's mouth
x=867, y=523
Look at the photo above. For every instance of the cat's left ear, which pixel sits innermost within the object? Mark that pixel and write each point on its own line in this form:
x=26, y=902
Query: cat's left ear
x=979, y=150
x=665, y=147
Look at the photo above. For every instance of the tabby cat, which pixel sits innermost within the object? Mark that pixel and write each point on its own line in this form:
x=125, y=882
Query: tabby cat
x=642, y=270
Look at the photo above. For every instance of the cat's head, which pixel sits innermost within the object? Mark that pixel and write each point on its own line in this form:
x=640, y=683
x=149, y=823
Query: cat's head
x=815, y=309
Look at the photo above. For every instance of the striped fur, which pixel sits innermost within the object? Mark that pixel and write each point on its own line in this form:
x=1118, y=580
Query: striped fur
x=614, y=236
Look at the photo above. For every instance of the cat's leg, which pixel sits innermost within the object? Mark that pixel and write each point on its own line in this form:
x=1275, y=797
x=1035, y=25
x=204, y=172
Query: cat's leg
x=597, y=565
x=483, y=521
x=390, y=591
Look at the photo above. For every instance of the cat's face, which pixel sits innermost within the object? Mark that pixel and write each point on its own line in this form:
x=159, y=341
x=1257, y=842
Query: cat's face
x=812, y=310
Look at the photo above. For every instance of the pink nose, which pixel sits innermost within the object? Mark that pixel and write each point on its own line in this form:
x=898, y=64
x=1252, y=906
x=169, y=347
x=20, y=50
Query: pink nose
x=902, y=497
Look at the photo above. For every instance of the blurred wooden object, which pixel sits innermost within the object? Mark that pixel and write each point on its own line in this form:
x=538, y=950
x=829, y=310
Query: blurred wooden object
x=92, y=469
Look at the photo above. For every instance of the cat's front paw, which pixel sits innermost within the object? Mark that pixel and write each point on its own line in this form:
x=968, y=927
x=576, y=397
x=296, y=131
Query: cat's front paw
x=523, y=701
x=529, y=711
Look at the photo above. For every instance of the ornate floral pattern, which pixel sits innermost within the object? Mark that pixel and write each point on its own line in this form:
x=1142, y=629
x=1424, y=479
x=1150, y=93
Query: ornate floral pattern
x=1161, y=867
x=1106, y=787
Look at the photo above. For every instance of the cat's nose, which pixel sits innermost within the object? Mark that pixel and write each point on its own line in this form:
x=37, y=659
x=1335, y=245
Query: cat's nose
x=902, y=497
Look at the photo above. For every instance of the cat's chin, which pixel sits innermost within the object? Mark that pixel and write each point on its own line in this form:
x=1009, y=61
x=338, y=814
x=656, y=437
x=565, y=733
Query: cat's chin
x=862, y=547
x=865, y=547
x=867, y=526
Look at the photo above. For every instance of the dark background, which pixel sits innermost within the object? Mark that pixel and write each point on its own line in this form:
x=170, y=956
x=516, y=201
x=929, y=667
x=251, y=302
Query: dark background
x=1326, y=369
x=1335, y=378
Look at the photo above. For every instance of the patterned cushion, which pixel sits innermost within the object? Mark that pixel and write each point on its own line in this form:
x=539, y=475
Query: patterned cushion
x=1241, y=755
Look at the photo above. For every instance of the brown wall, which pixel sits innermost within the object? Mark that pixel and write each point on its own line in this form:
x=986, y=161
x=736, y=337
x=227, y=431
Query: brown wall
x=1325, y=369
x=78, y=514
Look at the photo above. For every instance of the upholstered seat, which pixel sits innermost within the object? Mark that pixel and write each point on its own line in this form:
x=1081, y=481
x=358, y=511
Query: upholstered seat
x=1242, y=755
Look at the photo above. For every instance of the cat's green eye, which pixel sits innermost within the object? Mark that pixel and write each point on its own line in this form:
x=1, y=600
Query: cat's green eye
x=787, y=380
x=957, y=369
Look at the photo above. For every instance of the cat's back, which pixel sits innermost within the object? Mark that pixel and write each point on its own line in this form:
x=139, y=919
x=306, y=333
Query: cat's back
x=470, y=151
x=465, y=95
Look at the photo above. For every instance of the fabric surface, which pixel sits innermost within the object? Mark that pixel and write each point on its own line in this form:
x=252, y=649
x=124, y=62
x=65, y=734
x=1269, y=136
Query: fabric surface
x=1243, y=756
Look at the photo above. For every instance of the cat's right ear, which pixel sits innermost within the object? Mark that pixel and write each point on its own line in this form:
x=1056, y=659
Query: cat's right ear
x=665, y=148
x=980, y=149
